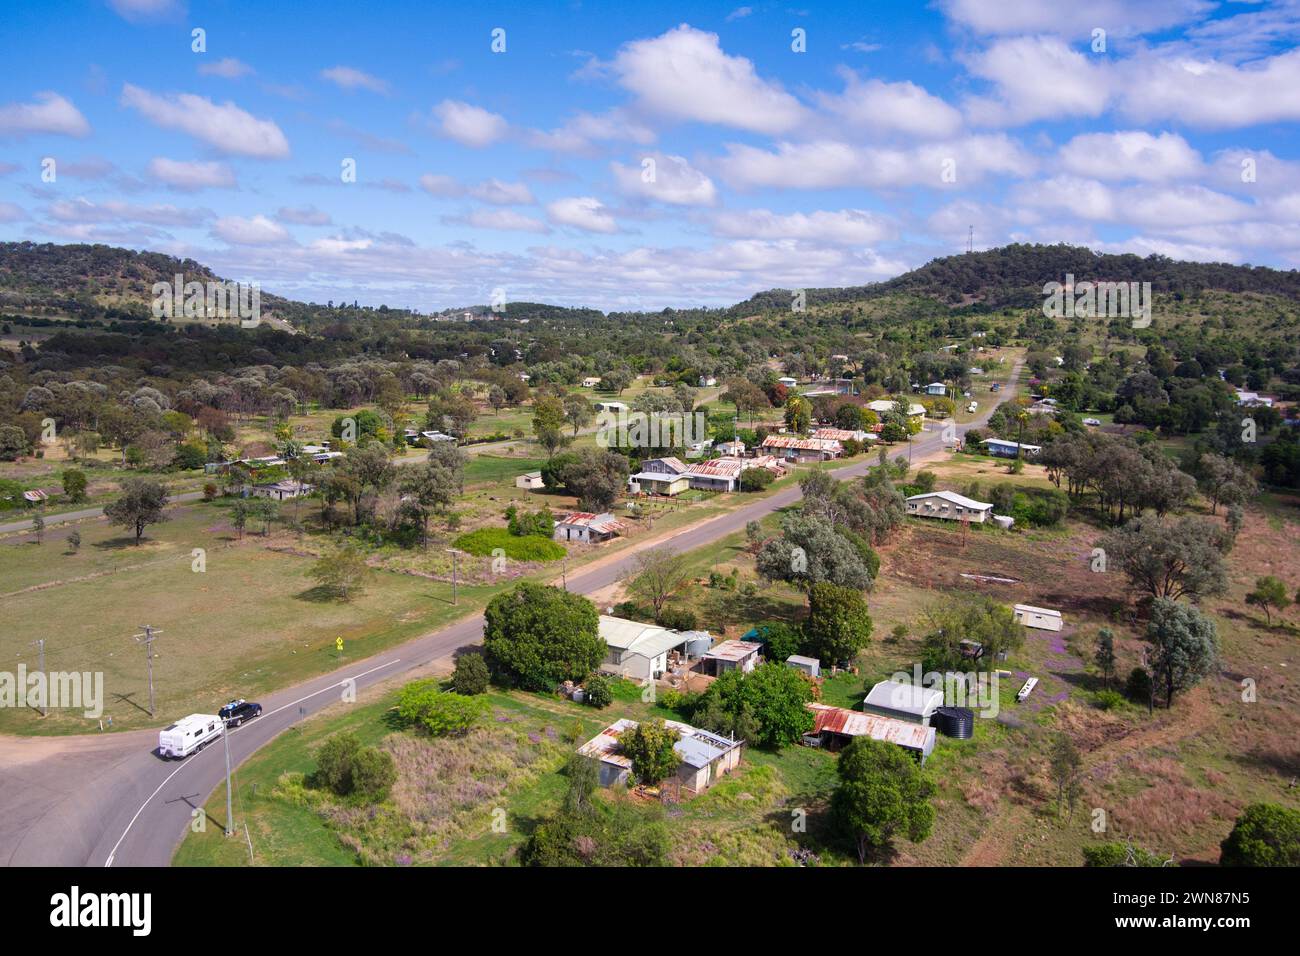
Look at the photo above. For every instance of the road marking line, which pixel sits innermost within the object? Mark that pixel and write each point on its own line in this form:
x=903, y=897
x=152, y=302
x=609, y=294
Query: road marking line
x=113, y=852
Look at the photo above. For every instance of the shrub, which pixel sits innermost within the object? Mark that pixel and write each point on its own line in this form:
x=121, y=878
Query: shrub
x=518, y=548
x=470, y=676
x=347, y=768
x=756, y=479
x=437, y=712
x=1119, y=854
x=74, y=485
x=1264, y=835
x=1110, y=699
x=677, y=619
x=599, y=693
x=209, y=491
x=1138, y=686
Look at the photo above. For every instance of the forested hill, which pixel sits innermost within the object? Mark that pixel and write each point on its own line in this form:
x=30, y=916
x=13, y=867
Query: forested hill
x=1014, y=275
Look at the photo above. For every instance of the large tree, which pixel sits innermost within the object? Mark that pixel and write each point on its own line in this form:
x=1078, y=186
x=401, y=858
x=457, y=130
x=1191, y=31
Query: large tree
x=139, y=505
x=657, y=574
x=536, y=637
x=764, y=707
x=810, y=551
x=838, y=625
x=1223, y=481
x=1185, y=646
x=1170, y=559
x=882, y=794
x=650, y=747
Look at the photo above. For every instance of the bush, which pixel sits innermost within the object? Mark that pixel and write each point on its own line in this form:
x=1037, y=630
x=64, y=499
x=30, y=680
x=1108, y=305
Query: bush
x=470, y=676
x=209, y=491
x=348, y=769
x=536, y=637
x=679, y=702
x=437, y=712
x=189, y=457
x=599, y=694
x=756, y=479
x=1264, y=835
x=1109, y=699
x=518, y=548
x=1138, y=686
x=74, y=485
x=780, y=640
x=1119, y=854
x=677, y=619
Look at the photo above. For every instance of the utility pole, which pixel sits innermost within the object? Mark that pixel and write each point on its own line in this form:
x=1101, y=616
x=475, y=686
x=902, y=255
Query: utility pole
x=454, y=570
x=564, y=571
x=230, y=813
x=147, y=639
x=45, y=697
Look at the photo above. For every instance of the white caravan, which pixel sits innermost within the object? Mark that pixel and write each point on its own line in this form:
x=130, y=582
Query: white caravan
x=189, y=735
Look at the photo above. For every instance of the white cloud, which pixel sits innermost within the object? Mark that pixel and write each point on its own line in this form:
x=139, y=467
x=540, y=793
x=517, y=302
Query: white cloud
x=827, y=164
x=1076, y=18
x=685, y=75
x=10, y=212
x=579, y=133
x=675, y=181
x=436, y=184
x=49, y=113
x=82, y=210
x=225, y=127
x=227, y=68
x=739, y=13
x=581, y=212
x=1212, y=93
x=1037, y=78
x=187, y=175
x=249, y=231
x=494, y=191
x=506, y=220
x=877, y=106
x=1160, y=208
x=303, y=216
x=1130, y=154
x=138, y=11
x=469, y=125
x=501, y=193
x=350, y=78
x=844, y=226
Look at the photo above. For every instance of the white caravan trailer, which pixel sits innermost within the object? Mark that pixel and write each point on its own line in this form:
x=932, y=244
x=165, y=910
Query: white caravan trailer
x=189, y=735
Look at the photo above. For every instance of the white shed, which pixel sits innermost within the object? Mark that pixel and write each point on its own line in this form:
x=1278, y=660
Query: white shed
x=903, y=701
x=1040, y=617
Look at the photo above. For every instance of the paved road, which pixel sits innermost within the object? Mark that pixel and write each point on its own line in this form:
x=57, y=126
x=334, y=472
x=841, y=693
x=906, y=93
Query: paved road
x=66, y=516
x=109, y=801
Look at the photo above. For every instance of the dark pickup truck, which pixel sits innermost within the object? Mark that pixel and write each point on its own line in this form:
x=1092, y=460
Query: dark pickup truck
x=238, y=711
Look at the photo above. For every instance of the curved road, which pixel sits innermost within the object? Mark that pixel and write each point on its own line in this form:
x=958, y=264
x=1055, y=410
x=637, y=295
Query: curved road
x=110, y=801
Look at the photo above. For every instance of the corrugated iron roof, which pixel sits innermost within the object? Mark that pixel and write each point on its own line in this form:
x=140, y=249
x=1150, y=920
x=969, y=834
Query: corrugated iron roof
x=852, y=723
x=733, y=650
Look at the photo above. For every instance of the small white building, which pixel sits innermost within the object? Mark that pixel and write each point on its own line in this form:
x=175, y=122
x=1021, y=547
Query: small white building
x=907, y=702
x=530, y=481
x=792, y=448
x=591, y=381
x=1000, y=448
x=809, y=665
x=950, y=506
x=731, y=655
x=789, y=381
x=936, y=388
x=588, y=528
x=281, y=490
x=657, y=483
x=639, y=651
x=615, y=408
x=1040, y=617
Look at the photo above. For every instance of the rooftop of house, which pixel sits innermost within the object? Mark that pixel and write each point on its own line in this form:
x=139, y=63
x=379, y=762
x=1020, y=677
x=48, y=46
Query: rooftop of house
x=953, y=498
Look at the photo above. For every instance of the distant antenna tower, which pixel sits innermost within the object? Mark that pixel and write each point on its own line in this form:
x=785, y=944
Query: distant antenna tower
x=970, y=240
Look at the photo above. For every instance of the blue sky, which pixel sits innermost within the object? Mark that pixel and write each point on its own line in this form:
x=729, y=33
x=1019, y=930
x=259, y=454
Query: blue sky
x=634, y=155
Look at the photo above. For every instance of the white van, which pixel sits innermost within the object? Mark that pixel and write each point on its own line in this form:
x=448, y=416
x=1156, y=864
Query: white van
x=189, y=735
